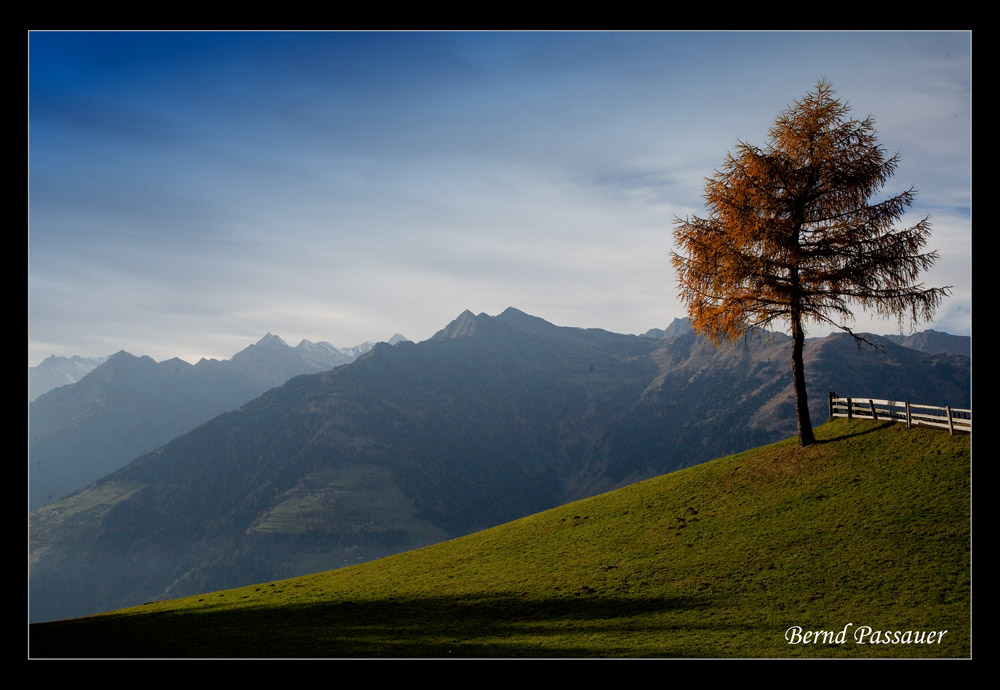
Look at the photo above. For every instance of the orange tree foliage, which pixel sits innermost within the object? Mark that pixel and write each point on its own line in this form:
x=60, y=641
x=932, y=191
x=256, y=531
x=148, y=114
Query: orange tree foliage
x=794, y=236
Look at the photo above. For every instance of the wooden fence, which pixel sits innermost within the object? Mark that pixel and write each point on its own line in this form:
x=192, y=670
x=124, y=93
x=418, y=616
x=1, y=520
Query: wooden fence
x=950, y=418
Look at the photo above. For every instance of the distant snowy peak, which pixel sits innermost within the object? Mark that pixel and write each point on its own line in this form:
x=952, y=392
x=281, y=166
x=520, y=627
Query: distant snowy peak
x=68, y=366
x=322, y=346
x=358, y=350
x=56, y=371
x=321, y=354
x=309, y=349
x=59, y=371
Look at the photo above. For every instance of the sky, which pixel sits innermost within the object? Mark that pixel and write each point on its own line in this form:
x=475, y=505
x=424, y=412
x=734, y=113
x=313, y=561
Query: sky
x=191, y=191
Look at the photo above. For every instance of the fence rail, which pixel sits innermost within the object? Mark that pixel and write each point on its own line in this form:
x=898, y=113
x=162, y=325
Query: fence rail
x=912, y=414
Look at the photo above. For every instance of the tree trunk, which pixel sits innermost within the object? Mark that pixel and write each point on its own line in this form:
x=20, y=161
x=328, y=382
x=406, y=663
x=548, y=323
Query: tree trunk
x=806, y=436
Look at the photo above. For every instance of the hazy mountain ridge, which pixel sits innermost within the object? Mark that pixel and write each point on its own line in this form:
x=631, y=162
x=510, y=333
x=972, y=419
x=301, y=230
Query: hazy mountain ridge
x=491, y=419
x=677, y=327
x=56, y=371
x=934, y=342
x=130, y=405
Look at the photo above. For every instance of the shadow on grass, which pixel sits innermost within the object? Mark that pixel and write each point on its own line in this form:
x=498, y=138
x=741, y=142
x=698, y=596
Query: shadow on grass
x=872, y=428
x=435, y=627
x=861, y=427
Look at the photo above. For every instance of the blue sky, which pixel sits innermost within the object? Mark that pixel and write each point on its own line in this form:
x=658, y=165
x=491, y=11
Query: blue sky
x=190, y=192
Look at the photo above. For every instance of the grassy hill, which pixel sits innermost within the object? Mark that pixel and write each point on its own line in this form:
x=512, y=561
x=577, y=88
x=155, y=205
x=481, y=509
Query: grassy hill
x=869, y=527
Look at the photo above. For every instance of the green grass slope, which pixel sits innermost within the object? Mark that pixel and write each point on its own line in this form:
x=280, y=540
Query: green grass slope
x=870, y=527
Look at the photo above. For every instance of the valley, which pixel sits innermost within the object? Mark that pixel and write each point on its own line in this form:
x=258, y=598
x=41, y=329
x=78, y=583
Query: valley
x=492, y=419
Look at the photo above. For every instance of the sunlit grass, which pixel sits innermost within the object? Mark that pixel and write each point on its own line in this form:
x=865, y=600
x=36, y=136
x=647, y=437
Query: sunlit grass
x=870, y=526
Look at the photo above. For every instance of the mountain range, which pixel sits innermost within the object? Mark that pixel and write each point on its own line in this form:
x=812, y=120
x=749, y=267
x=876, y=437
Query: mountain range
x=126, y=406
x=56, y=371
x=493, y=418
x=934, y=341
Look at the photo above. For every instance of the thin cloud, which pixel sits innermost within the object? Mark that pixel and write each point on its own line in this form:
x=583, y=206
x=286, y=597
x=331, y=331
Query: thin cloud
x=191, y=192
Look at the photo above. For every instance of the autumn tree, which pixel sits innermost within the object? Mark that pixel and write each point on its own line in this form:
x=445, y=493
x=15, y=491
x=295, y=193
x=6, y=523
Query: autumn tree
x=795, y=236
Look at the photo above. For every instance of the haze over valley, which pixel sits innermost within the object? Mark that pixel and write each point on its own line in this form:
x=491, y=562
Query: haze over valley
x=493, y=418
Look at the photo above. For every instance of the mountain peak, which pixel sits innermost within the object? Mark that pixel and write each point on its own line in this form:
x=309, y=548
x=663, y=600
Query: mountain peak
x=122, y=357
x=271, y=339
x=524, y=321
x=678, y=326
x=57, y=371
x=511, y=312
x=463, y=325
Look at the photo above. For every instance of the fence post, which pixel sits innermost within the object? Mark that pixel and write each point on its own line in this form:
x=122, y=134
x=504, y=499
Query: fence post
x=871, y=404
x=850, y=410
x=951, y=426
x=909, y=424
